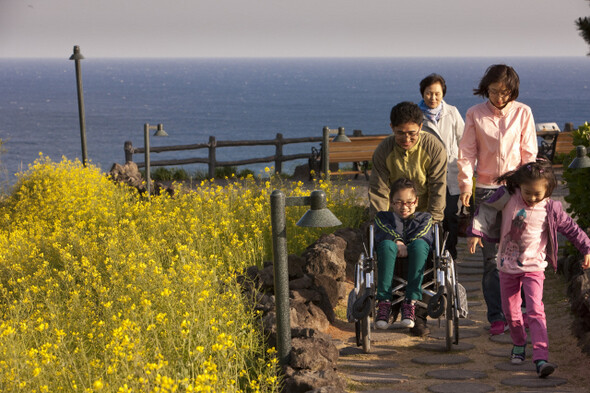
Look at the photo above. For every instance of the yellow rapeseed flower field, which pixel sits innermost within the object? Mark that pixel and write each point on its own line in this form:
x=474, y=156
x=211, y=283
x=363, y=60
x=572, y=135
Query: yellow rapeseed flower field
x=103, y=291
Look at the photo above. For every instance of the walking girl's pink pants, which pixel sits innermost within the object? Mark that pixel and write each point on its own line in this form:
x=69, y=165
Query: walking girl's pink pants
x=532, y=284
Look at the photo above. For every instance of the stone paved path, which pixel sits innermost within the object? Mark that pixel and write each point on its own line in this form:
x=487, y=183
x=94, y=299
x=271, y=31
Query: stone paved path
x=399, y=362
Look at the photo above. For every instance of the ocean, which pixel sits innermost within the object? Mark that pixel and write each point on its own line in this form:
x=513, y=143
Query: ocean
x=243, y=99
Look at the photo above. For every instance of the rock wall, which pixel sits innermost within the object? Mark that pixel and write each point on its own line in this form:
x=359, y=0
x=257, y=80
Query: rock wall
x=130, y=175
x=579, y=294
x=316, y=284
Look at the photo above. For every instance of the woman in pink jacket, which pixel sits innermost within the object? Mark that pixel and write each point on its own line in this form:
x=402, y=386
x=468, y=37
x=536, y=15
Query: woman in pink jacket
x=499, y=137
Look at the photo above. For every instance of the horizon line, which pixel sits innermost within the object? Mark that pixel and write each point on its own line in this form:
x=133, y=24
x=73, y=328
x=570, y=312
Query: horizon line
x=294, y=57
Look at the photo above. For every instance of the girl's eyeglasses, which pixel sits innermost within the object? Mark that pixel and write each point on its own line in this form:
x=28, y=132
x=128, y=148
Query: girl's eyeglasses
x=402, y=203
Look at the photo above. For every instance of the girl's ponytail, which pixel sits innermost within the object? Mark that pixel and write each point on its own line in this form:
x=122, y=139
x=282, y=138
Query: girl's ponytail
x=539, y=169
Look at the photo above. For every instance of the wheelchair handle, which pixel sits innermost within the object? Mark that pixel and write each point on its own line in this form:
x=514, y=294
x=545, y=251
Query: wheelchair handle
x=371, y=240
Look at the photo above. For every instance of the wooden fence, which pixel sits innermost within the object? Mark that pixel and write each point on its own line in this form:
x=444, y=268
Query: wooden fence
x=278, y=158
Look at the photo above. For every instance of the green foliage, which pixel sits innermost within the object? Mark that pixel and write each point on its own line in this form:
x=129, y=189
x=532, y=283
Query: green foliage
x=578, y=181
x=582, y=135
x=162, y=174
x=178, y=174
x=583, y=25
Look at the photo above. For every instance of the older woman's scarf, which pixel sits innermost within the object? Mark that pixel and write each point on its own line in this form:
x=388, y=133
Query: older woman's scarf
x=430, y=113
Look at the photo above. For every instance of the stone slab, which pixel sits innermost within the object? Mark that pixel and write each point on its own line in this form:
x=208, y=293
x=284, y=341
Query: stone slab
x=467, y=256
x=469, y=271
x=504, y=338
x=353, y=350
x=474, y=304
x=472, y=286
x=376, y=377
x=391, y=349
x=532, y=381
x=365, y=364
x=390, y=334
x=545, y=391
x=441, y=359
x=508, y=366
x=504, y=352
x=456, y=374
x=384, y=391
x=462, y=322
x=463, y=333
x=454, y=387
x=465, y=279
x=471, y=263
x=442, y=347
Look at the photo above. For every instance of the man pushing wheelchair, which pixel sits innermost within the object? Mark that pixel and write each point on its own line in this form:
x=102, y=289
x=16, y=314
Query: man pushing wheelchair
x=407, y=191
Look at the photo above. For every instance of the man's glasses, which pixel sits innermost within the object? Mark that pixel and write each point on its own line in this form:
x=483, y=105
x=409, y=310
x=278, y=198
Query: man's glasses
x=408, y=134
x=402, y=203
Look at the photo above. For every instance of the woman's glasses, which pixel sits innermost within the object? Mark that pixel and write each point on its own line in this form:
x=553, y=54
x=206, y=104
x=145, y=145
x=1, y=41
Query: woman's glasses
x=399, y=204
x=497, y=93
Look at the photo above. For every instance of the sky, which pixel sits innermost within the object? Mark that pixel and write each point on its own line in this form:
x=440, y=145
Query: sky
x=300, y=28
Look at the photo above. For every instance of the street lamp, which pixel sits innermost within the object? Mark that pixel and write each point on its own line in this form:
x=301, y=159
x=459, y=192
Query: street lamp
x=77, y=56
x=317, y=216
x=341, y=137
x=146, y=139
x=582, y=160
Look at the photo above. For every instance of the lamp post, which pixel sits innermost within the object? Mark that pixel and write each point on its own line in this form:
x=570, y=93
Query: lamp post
x=77, y=56
x=146, y=139
x=582, y=160
x=317, y=216
x=341, y=137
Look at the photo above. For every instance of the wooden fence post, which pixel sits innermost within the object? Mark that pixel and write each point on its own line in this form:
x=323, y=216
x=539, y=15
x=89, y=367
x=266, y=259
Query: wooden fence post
x=279, y=154
x=212, y=159
x=326, y=152
x=128, y=148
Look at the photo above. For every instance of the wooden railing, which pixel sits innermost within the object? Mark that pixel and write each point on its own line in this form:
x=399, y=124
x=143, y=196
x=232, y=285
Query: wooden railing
x=278, y=158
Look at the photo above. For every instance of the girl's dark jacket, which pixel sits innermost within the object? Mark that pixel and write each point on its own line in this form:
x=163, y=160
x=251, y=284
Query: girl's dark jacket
x=390, y=226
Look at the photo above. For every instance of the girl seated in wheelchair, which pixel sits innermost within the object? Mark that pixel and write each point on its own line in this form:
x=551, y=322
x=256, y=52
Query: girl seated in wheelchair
x=402, y=233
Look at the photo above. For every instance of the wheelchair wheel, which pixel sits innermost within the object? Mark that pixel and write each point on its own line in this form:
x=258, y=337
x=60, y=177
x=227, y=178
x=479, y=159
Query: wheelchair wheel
x=366, y=333
x=456, y=318
x=451, y=324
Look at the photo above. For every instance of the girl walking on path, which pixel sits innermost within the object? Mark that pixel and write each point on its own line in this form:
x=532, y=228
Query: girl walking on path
x=528, y=237
x=499, y=136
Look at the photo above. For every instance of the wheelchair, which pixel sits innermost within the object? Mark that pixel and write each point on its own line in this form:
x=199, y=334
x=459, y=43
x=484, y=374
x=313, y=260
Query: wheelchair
x=446, y=297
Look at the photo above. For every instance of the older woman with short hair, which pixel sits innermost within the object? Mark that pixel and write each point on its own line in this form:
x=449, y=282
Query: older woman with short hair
x=445, y=122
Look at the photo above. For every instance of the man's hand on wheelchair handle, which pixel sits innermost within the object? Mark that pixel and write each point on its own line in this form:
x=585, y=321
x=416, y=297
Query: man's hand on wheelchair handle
x=472, y=242
x=402, y=249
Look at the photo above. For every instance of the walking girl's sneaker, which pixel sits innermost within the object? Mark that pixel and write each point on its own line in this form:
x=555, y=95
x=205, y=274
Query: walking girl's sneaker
x=518, y=354
x=544, y=368
x=383, y=312
x=408, y=315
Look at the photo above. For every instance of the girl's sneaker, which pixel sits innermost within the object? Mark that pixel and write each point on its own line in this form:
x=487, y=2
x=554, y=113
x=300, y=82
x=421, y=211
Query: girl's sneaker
x=518, y=354
x=408, y=315
x=383, y=312
x=544, y=368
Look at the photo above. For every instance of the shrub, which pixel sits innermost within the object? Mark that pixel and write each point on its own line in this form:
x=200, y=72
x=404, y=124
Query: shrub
x=101, y=290
x=578, y=181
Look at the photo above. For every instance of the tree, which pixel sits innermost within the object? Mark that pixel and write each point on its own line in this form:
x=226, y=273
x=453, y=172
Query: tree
x=583, y=25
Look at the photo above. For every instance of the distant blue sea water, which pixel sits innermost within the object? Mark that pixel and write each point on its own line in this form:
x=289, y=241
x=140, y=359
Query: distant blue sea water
x=245, y=99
